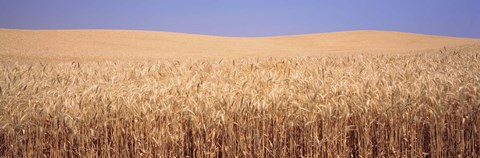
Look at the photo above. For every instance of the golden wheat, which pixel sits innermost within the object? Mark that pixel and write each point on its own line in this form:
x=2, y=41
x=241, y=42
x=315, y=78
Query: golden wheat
x=348, y=106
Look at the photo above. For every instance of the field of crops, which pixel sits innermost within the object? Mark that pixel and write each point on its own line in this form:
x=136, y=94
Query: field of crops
x=410, y=105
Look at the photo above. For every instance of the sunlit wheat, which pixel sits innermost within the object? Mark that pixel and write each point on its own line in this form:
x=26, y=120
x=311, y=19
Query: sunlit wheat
x=347, y=106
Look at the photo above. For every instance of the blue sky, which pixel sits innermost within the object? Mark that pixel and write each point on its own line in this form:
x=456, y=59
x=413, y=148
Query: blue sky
x=247, y=18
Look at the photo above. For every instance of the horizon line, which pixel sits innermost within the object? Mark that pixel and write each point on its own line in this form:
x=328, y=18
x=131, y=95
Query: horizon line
x=214, y=35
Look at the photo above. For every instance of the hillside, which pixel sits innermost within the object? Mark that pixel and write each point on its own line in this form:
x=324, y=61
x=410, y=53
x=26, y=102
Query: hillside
x=147, y=45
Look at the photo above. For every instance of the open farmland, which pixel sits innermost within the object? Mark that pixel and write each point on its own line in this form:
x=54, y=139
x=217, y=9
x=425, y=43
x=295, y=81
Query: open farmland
x=355, y=105
x=349, y=105
x=102, y=45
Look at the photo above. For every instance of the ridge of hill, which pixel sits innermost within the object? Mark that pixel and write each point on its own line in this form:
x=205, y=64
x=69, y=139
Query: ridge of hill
x=148, y=45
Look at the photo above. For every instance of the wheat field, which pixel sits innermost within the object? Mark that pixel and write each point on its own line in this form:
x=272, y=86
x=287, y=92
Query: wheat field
x=131, y=45
x=389, y=105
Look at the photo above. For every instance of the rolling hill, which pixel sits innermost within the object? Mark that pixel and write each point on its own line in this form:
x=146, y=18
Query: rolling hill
x=147, y=45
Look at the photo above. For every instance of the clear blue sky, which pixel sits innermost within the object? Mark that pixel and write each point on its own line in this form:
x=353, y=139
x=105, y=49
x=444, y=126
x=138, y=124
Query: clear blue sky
x=459, y=18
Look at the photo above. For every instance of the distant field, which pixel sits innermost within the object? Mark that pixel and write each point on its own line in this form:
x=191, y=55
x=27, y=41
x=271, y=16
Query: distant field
x=98, y=45
x=108, y=94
